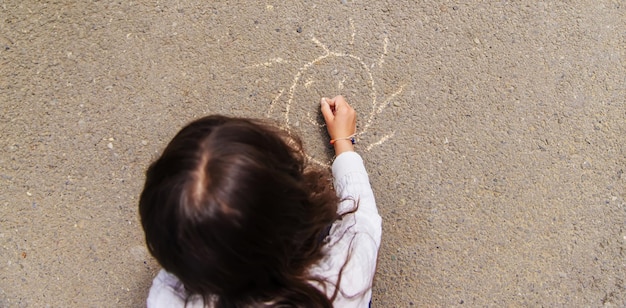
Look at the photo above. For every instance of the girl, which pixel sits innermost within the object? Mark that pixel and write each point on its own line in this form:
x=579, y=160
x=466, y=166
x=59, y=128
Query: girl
x=237, y=218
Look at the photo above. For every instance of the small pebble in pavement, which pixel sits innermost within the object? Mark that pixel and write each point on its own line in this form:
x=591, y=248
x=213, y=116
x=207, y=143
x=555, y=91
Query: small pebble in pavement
x=585, y=165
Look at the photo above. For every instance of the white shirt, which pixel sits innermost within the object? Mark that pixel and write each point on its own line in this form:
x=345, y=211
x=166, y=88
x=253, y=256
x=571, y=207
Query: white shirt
x=355, y=238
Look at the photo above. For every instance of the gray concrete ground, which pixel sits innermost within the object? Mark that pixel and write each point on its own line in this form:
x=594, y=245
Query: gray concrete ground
x=493, y=132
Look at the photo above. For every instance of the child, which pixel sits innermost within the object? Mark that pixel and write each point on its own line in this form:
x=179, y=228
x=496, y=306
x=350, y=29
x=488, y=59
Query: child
x=237, y=218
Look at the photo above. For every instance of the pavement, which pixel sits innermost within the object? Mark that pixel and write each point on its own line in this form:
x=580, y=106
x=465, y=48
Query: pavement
x=493, y=131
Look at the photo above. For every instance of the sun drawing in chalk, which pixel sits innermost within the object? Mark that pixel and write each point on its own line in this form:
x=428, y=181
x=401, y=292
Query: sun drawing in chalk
x=332, y=73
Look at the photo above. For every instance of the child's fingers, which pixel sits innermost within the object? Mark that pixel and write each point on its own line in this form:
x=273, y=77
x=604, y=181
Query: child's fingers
x=339, y=102
x=331, y=103
x=343, y=109
x=327, y=112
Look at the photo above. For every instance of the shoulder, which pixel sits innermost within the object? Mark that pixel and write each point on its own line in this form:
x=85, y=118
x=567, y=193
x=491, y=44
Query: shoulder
x=168, y=291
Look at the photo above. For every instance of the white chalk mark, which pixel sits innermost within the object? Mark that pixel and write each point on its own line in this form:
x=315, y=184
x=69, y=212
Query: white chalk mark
x=268, y=63
x=353, y=31
x=308, y=83
x=392, y=96
x=309, y=118
x=273, y=103
x=379, y=142
x=319, y=162
x=381, y=60
x=340, y=83
x=318, y=43
x=291, y=142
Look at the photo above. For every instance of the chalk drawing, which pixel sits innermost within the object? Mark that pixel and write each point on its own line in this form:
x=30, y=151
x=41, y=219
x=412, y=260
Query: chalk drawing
x=303, y=82
x=353, y=31
x=268, y=63
x=384, y=54
x=273, y=103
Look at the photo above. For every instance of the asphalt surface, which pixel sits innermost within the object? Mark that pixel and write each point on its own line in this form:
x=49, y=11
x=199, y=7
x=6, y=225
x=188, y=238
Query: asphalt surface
x=493, y=133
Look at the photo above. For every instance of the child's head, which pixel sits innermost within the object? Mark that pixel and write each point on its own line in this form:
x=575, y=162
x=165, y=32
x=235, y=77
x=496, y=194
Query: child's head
x=232, y=209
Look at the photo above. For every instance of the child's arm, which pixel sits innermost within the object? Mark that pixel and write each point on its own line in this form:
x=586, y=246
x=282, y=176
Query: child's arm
x=360, y=233
x=349, y=174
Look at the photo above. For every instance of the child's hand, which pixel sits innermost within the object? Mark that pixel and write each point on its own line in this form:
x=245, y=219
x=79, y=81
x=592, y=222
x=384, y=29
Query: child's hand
x=340, y=121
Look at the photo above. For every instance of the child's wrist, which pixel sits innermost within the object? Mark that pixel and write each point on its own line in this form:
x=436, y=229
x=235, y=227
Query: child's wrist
x=343, y=145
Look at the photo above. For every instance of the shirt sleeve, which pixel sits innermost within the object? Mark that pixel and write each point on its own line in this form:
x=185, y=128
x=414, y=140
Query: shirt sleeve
x=353, y=186
x=355, y=239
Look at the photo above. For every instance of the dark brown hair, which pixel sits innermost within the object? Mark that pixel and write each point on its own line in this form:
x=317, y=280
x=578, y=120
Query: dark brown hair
x=235, y=212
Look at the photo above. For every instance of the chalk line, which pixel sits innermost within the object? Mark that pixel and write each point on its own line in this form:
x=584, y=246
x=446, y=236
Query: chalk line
x=392, y=96
x=317, y=161
x=381, y=60
x=269, y=111
x=379, y=142
x=340, y=83
x=268, y=63
x=313, y=122
x=353, y=31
